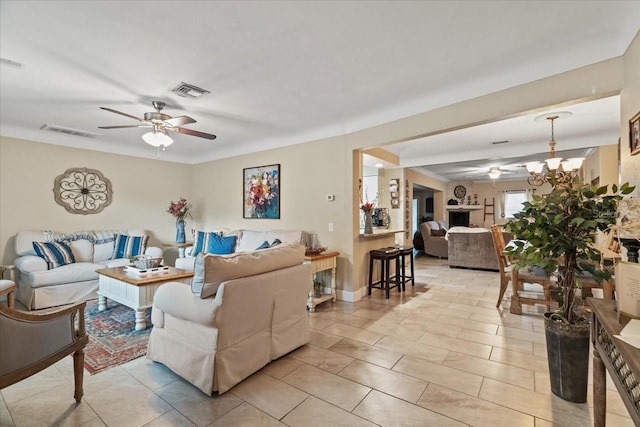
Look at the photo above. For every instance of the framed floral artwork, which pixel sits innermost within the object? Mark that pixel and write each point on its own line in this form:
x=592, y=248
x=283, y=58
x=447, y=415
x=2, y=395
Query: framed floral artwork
x=634, y=134
x=261, y=192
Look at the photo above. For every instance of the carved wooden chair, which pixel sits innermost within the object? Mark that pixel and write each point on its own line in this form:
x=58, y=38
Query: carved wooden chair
x=33, y=342
x=508, y=273
x=8, y=287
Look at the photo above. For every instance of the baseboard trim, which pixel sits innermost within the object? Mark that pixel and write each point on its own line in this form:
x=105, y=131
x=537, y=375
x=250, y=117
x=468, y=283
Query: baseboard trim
x=351, y=296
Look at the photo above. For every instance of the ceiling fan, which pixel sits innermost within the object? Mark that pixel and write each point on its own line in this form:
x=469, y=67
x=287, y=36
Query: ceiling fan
x=160, y=124
x=493, y=172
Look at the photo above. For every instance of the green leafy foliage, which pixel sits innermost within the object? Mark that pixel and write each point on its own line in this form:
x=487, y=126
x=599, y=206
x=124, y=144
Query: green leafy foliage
x=559, y=230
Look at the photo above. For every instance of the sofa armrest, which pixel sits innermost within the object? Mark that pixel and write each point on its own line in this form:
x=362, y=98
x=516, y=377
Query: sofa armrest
x=176, y=299
x=30, y=264
x=153, y=252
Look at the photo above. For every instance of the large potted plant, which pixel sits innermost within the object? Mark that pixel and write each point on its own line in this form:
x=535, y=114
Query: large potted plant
x=556, y=232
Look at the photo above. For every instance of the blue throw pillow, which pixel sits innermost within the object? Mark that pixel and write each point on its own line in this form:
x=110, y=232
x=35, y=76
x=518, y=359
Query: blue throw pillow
x=56, y=254
x=202, y=242
x=275, y=243
x=128, y=246
x=264, y=245
x=219, y=245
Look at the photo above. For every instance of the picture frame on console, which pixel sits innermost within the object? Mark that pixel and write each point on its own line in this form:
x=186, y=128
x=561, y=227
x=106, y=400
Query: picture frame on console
x=261, y=192
x=634, y=134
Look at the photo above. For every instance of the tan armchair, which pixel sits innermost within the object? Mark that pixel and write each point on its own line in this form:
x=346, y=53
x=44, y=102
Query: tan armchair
x=33, y=342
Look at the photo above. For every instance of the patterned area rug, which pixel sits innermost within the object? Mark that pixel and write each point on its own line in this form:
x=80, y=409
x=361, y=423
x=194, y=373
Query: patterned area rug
x=113, y=339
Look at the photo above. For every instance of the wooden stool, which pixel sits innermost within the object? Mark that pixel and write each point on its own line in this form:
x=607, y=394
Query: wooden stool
x=405, y=251
x=385, y=256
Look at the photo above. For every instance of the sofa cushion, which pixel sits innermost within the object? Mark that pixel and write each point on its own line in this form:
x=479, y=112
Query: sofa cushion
x=70, y=273
x=211, y=270
x=219, y=245
x=437, y=233
x=82, y=250
x=126, y=246
x=56, y=254
x=25, y=239
x=202, y=239
x=118, y=262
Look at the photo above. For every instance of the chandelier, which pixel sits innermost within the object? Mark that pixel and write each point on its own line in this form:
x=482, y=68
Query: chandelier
x=558, y=171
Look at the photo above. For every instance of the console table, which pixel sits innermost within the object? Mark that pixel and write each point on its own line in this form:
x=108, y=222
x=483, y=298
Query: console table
x=619, y=358
x=324, y=262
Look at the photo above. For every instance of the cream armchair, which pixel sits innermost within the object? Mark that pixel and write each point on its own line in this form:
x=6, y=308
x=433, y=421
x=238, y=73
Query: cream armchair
x=33, y=342
x=249, y=309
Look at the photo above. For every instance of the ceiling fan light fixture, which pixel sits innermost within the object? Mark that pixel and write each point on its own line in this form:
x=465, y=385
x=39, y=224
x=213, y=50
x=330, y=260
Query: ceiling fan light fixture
x=494, y=173
x=157, y=139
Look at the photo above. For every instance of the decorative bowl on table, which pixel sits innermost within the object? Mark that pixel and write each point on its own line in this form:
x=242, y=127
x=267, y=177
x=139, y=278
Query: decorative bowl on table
x=315, y=251
x=144, y=262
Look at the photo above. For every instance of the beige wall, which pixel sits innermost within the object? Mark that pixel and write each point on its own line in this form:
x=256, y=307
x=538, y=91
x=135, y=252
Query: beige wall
x=142, y=190
x=309, y=172
x=602, y=164
x=629, y=106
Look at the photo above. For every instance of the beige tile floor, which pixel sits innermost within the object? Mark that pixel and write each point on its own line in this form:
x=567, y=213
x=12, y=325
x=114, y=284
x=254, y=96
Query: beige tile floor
x=440, y=354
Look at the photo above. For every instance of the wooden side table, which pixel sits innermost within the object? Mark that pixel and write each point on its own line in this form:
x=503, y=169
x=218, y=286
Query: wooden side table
x=180, y=247
x=323, y=263
x=615, y=356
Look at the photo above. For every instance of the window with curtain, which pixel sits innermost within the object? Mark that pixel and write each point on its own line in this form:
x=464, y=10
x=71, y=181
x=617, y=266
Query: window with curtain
x=513, y=201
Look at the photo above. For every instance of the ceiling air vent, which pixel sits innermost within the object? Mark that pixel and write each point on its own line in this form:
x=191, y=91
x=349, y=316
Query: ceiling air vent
x=186, y=90
x=70, y=131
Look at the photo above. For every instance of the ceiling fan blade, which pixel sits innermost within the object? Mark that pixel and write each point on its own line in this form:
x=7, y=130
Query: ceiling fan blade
x=180, y=121
x=124, y=126
x=194, y=133
x=121, y=113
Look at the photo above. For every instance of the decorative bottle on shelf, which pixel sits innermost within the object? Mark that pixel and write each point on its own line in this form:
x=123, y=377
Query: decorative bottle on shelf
x=180, y=233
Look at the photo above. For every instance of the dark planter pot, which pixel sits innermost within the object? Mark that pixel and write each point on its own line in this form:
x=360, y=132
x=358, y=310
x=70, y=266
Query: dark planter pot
x=568, y=354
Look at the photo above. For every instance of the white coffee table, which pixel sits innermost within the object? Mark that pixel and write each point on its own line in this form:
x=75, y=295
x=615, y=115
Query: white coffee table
x=134, y=290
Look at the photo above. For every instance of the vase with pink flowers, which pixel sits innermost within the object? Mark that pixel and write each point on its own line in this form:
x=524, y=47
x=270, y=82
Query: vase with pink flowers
x=180, y=210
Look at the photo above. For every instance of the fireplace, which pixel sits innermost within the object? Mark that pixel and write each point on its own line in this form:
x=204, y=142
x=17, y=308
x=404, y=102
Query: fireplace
x=458, y=218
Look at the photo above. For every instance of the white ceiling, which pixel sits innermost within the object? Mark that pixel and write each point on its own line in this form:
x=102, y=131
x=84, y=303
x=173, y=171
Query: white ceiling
x=281, y=72
x=467, y=154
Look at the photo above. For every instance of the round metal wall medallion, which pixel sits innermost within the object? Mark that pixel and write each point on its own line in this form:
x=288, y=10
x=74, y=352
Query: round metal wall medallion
x=82, y=191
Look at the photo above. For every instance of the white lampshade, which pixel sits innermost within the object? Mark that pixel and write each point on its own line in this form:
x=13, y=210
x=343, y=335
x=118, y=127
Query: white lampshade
x=534, y=167
x=553, y=163
x=576, y=162
x=566, y=165
x=157, y=139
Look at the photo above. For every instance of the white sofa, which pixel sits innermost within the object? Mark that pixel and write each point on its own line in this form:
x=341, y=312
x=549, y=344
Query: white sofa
x=40, y=287
x=247, y=241
x=248, y=309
